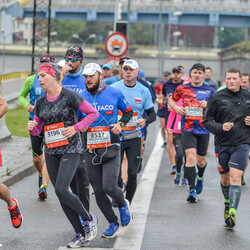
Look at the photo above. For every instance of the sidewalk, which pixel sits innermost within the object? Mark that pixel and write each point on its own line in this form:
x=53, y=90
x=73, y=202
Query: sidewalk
x=17, y=156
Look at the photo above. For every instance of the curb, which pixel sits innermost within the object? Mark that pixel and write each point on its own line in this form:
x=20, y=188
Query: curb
x=18, y=175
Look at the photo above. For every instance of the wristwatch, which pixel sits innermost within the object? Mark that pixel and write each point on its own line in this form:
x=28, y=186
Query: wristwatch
x=122, y=124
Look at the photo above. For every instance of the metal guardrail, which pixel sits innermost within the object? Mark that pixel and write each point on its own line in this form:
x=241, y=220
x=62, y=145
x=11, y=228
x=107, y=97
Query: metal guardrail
x=13, y=75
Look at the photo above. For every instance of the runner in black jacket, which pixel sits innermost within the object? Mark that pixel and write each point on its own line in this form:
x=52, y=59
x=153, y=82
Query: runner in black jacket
x=228, y=117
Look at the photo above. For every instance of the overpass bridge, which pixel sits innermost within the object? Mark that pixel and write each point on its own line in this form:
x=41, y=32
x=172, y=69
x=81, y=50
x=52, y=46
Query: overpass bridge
x=224, y=13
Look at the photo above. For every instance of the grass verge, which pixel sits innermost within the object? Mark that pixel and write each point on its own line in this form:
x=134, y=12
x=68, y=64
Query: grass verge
x=17, y=120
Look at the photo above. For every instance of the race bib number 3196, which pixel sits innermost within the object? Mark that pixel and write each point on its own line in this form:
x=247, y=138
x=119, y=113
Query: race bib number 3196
x=53, y=135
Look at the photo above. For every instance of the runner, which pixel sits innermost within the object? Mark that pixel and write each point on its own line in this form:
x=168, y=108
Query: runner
x=228, y=118
x=140, y=99
x=116, y=78
x=107, y=70
x=209, y=80
x=184, y=77
x=174, y=126
x=245, y=84
x=72, y=70
x=195, y=137
x=103, y=146
x=57, y=110
x=75, y=81
x=34, y=89
x=15, y=213
x=162, y=109
x=168, y=89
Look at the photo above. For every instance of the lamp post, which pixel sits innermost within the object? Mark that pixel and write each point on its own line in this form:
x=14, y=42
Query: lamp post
x=170, y=17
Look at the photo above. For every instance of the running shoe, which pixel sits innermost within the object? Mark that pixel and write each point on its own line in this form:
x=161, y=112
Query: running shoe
x=42, y=194
x=243, y=183
x=230, y=221
x=112, y=231
x=184, y=182
x=164, y=145
x=192, y=197
x=40, y=180
x=125, y=214
x=199, y=184
x=177, y=178
x=90, y=227
x=78, y=241
x=226, y=210
x=16, y=215
x=173, y=171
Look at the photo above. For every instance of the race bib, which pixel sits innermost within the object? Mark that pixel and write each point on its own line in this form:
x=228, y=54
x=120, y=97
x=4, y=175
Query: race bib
x=53, y=135
x=98, y=137
x=131, y=125
x=193, y=111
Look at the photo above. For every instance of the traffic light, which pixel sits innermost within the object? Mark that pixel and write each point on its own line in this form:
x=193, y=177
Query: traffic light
x=121, y=27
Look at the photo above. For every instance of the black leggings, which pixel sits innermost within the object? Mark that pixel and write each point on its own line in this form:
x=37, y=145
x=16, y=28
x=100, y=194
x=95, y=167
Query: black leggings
x=103, y=178
x=61, y=169
x=179, y=151
x=133, y=152
x=80, y=183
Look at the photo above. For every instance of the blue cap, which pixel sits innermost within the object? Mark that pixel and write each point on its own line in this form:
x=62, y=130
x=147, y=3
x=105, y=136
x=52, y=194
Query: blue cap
x=142, y=74
x=107, y=65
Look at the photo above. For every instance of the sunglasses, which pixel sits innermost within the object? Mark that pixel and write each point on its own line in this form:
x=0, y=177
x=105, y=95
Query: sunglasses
x=73, y=60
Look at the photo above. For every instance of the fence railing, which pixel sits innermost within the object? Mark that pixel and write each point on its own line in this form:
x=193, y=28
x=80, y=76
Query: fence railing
x=13, y=75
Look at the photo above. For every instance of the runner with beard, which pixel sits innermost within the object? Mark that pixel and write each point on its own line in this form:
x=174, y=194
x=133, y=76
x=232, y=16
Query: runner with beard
x=103, y=147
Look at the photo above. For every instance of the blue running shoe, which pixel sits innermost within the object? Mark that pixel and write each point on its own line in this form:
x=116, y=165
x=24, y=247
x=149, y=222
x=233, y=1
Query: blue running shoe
x=112, y=231
x=192, y=197
x=78, y=241
x=90, y=227
x=184, y=182
x=199, y=184
x=42, y=194
x=177, y=178
x=125, y=214
x=173, y=171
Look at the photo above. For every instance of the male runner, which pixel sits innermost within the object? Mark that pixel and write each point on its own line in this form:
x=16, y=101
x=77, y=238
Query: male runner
x=102, y=143
x=168, y=89
x=74, y=80
x=245, y=84
x=195, y=137
x=228, y=117
x=140, y=99
x=106, y=70
x=162, y=109
x=34, y=89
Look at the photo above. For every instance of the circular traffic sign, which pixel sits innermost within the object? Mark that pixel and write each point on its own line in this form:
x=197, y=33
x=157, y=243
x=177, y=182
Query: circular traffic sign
x=116, y=44
x=113, y=61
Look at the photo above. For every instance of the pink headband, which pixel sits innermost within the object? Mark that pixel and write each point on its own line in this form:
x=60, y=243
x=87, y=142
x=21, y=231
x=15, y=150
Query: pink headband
x=50, y=69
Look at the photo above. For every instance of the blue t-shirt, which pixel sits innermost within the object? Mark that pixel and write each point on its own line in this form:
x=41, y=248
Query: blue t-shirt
x=107, y=103
x=138, y=97
x=76, y=84
x=111, y=80
x=35, y=92
x=191, y=96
